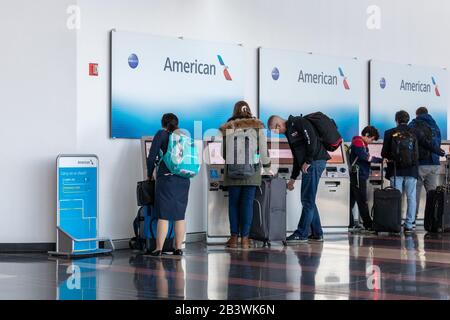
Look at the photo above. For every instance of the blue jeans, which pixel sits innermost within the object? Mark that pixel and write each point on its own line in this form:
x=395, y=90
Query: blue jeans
x=409, y=185
x=310, y=219
x=240, y=209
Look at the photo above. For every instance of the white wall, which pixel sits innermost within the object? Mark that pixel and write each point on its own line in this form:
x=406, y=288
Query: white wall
x=412, y=31
x=409, y=33
x=38, y=114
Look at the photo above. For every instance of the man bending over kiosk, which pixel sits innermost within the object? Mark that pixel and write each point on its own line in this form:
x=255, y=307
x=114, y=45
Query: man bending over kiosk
x=310, y=157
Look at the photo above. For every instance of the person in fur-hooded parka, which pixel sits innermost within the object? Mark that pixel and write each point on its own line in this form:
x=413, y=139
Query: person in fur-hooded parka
x=242, y=191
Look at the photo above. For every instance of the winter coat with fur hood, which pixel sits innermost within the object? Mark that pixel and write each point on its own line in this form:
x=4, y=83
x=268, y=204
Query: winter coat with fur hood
x=246, y=123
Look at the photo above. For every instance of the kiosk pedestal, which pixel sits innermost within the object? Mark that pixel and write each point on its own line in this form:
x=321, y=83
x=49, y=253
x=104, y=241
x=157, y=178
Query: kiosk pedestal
x=218, y=224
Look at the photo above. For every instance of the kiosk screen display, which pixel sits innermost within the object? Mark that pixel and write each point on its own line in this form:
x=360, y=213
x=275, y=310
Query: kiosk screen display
x=280, y=153
x=148, y=145
x=337, y=156
x=215, y=153
x=375, y=149
x=446, y=148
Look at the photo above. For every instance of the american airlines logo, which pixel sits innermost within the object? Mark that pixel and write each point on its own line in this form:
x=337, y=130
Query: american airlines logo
x=421, y=87
x=86, y=162
x=344, y=79
x=196, y=67
x=436, y=87
x=225, y=68
x=323, y=78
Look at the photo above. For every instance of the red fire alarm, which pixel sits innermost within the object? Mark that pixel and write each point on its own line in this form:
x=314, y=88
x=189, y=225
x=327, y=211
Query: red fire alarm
x=93, y=69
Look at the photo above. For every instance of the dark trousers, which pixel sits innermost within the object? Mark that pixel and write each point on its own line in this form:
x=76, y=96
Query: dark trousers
x=358, y=194
x=310, y=219
x=240, y=209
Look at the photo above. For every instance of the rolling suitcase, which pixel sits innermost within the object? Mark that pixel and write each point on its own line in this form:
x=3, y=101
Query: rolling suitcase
x=387, y=208
x=269, y=211
x=437, y=208
x=145, y=226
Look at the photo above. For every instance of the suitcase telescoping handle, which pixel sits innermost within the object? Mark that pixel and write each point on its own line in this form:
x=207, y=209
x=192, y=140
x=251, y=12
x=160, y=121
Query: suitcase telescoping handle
x=447, y=169
x=382, y=173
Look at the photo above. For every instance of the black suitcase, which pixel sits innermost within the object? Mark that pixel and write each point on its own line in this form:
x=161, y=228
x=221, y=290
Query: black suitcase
x=387, y=209
x=269, y=211
x=437, y=208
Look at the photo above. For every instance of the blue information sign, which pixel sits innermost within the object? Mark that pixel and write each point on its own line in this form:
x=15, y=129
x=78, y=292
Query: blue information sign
x=77, y=202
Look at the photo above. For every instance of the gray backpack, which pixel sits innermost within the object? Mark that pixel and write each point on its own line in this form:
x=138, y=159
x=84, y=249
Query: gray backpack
x=242, y=158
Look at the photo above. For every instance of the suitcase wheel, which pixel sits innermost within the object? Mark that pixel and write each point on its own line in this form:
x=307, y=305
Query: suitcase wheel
x=266, y=244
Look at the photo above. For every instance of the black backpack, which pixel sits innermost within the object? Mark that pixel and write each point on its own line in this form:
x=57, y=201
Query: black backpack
x=403, y=149
x=326, y=130
x=422, y=129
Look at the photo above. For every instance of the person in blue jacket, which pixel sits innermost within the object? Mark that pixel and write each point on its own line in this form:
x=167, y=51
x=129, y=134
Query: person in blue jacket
x=429, y=138
x=360, y=159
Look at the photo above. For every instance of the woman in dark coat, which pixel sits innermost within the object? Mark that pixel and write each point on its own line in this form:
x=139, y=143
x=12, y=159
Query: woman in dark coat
x=171, y=192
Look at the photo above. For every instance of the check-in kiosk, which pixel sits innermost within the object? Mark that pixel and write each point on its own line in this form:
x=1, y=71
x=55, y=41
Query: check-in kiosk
x=333, y=197
x=218, y=225
x=376, y=176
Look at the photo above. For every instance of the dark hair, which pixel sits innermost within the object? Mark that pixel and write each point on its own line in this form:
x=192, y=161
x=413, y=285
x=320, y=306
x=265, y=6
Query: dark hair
x=242, y=110
x=371, y=132
x=421, y=110
x=169, y=121
x=402, y=117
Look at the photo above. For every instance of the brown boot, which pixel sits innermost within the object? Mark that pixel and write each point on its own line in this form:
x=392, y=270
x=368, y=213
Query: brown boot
x=232, y=242
x=246, y=243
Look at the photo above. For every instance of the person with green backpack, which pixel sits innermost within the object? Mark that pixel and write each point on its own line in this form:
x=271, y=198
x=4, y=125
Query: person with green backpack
x=175, y=156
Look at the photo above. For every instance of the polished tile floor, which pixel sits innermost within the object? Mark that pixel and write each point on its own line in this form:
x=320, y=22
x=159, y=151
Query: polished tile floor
x=345, y=266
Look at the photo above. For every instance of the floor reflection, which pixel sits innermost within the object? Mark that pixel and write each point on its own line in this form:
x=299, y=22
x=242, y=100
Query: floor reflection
x=166, y=279
x=415, y=266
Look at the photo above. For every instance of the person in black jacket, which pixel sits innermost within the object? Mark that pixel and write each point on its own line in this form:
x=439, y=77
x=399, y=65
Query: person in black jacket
x=310, y=157
x=429, y=138
x=403, y=177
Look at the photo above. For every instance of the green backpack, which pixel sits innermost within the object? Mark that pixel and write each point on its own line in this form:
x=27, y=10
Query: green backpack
x=181, y=157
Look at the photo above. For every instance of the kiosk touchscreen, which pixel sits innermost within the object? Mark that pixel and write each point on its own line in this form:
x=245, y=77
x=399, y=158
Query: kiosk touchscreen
x=280, y=153
x=146, y=144
x=281, y=158
x=336, y=166
x=337, y=157
x=446, y=147
x=215, y=153
x=375, y=151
